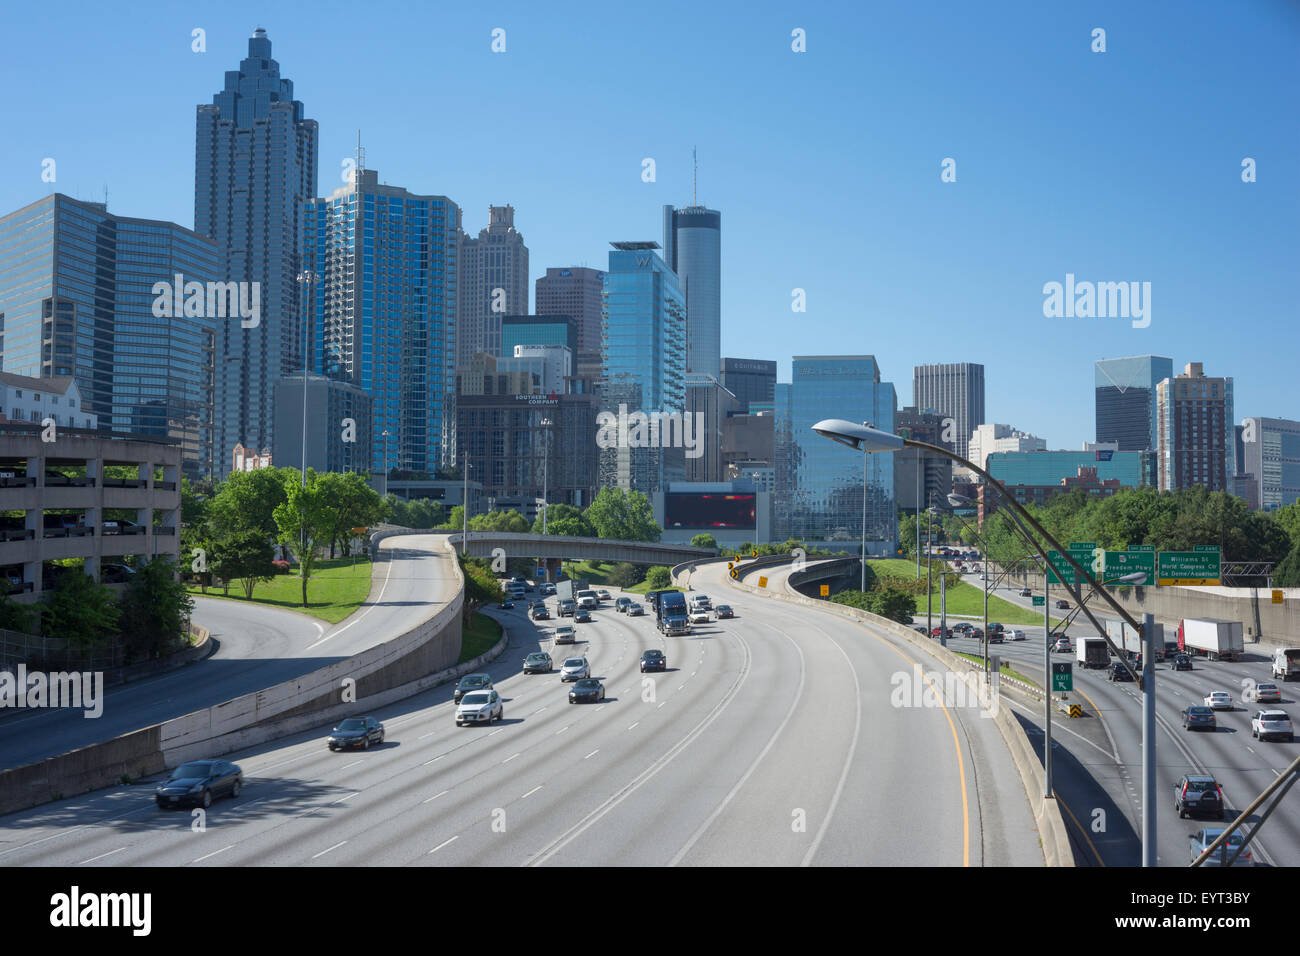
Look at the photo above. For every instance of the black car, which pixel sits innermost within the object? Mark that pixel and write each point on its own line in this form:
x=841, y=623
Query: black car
x=582, y=616
x=539, y=662
x=653, y=660
x=1181, y=663
x=1199, y=718
x=506, y=604
x=1118, y=672
x=470, y=682
x=1063, y=605
x=963, y=627
x=540, y=613
x=587, y=691
x=724, y=611
x=356, y=733
x=995, y=627
x=198, y=782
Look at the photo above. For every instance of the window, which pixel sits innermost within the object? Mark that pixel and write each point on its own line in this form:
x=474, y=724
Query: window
x=18, y=393
x=36, y=416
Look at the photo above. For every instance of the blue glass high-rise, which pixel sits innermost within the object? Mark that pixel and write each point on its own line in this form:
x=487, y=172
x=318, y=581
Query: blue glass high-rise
x=819, y=483
x=254, y=173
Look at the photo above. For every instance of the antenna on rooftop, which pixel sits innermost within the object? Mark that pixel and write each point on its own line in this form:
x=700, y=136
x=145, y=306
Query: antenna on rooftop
x=361, y=154
x=695, y=175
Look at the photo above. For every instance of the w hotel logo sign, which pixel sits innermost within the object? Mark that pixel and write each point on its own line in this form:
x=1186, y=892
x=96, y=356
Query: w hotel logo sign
x=643, y=260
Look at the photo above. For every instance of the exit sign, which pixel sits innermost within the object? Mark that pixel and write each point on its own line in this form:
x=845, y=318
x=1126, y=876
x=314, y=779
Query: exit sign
x=1062, y=676
x=1039, y=600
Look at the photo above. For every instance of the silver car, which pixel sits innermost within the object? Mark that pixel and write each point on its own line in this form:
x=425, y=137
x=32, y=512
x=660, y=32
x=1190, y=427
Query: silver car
x=1200, y=841
x=479, y=707
x=635, y=610
x=575, y=668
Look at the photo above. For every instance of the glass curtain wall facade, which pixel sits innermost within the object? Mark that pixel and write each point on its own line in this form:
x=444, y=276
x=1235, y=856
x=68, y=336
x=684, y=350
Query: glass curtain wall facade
x=643, y=360
x=254, y=173
x=384, y=309
x=693, y=250
x=955, y=391
x=77, y=299
x=819, y=495
x=1270, y=454
x=1126, y=399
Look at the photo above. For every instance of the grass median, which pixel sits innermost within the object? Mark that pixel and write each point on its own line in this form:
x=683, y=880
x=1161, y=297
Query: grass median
x=336, y=589
x=479, y=638
x=1005, y=670
x=963, y=599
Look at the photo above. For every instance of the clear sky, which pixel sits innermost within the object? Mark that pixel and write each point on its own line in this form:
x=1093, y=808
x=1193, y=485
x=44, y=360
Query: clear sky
x=1115, y=166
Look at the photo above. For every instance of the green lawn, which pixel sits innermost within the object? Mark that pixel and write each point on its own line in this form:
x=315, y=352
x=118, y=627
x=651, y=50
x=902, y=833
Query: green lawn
x=643, y=587
x=336, y=589
x=594, y=572
x=479, y=638
x=964, y=600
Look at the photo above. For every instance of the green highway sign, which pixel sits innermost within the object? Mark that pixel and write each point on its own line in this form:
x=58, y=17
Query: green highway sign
x=1062, y=676
x=1081, y=551
x=1117, y=564
x=1202, y=566
x=1039, y=600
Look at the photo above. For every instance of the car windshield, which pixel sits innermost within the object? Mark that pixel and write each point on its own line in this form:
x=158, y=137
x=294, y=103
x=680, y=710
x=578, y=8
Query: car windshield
x=574, y=662
x=476, y=680
x=1200, y=711
x=352, y=724
x=653, y=654
x=1273, y=715
x=1212, y=835
x=472, y=699
x=1198, y=786
x=537, y=658
x=587, y=685
x=187, y=770
x=1266, y=686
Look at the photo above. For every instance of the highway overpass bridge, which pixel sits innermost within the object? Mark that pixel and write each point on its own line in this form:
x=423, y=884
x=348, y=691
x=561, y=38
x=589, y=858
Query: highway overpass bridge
x=554, y=547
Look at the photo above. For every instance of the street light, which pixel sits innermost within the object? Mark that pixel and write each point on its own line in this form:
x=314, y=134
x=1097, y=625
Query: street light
x=386, y=434
x=546, y=461
x=867, y=439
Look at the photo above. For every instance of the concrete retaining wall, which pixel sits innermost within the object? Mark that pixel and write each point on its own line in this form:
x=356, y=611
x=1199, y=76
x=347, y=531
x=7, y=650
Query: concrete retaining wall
x=405, y=665
x=1047, y=813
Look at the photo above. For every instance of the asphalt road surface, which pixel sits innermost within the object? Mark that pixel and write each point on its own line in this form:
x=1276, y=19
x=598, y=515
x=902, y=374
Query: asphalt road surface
x=258, y=647
x=776, y=738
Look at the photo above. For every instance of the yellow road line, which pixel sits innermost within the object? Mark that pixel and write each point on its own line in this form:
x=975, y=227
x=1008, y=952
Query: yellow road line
x=1091, y=846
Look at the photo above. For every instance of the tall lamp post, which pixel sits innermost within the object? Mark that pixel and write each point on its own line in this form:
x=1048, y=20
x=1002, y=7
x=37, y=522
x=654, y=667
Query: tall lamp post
x=864, y=438
x=546, y=467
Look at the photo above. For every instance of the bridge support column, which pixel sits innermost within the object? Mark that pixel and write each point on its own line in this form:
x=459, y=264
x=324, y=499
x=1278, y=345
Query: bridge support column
x=552, y=566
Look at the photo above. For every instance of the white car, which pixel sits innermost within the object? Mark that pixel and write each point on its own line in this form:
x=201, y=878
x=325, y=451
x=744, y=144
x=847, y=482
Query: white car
x=1062, y=644
x=603, y=595
x=575, y=668
x=1271, y=723
x=564, y=634
x=699, y=615
x=701, y=600
x=479, y=707
x=1219, y=700
x=1012, y=635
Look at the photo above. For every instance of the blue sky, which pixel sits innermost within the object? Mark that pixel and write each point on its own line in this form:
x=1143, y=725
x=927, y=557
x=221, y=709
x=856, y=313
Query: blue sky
x=1115, y=166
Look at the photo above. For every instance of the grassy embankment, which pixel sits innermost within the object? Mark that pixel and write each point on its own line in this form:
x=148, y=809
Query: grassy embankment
x=336, y=589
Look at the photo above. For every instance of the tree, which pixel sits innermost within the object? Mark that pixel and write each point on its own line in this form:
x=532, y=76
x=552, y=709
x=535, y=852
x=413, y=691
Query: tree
x=246, y=501
x=907, y=524
x=704, y=541
x=351, y=504
x=1288, y=519
x=621, y=515
x=658, y=577
x=15, y=616
x=305, y=516
x=79, y=610
x=504, y=521
x=624, y=575
x=566, y=520
x=481, y=586
x=1287, y=573
x=245, y=555
x=155, y=610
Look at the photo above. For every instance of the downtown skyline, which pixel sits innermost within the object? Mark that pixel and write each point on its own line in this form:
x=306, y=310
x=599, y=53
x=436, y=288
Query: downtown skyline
x=968, y=264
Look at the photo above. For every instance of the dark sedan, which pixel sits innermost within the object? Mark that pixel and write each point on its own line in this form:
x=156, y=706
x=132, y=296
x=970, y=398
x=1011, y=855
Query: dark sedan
x=356, y=733
x=197, y=783
x=1063, y=605
x=469, y=683
x=724, y=611
x=506, y=605
x=1118, y=672
x=587, y=691
x=1181, y=663
x=541, y=614
x=653, y=660
x=1199, y=718
x=581, y=616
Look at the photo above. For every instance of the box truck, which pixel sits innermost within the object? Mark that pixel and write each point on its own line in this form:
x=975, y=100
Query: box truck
x=1092, y=652
x=1127, y=637
x=1286, y=662
x=1210, y=637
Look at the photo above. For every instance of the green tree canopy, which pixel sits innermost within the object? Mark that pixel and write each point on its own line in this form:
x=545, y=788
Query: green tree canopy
x=307, y=515
x=155, y=610
x=245, y=555
x=565, y=520
x=246, y=501
x=658, y=577
x=704, y=541
x=79, y=609
x=621, y=515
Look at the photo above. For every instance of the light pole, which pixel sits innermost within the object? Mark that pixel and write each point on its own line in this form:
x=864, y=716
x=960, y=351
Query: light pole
x=862, y=586
x=306, y=277
x=386, y=434
x=546, y=462
x=865, y=438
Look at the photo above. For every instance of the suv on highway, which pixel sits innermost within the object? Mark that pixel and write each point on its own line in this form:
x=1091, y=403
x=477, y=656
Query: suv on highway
x=1181, y=663
x=1271, y=723
x=622, y=604
x=1198, y=793
x=566, y=607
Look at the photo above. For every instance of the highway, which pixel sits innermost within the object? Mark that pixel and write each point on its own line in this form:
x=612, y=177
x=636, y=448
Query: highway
x=771, y=740
x=258, y=647
x=1102, y=758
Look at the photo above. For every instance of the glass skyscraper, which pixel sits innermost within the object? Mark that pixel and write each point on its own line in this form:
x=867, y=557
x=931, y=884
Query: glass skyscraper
x=693, y=249
x=643, y=359
x=956, y=391
x=819, y=483
x=77, y=299
x=383, y=308
x=1126, y=399
x=254, y=173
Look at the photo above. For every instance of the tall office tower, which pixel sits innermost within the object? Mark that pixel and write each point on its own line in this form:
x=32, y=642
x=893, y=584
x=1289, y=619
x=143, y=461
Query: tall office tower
x=493, y=283
x=693, y=249
x=711, y=404
x=643, y=365
x=576, y=292
x=1126, y=399
x=920, y=478
x=821, y=484
x=383, y=305
x=1271, y=448
x=254, y=173
x=955, y=391
x=1194, y=437
x=91, y=295
x=988, y=439
x=750, y=380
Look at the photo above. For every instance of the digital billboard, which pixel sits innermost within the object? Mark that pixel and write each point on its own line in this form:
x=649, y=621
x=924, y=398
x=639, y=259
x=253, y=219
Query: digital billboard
x=709, y=510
